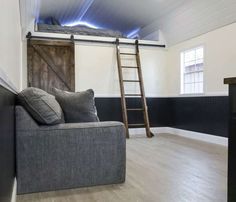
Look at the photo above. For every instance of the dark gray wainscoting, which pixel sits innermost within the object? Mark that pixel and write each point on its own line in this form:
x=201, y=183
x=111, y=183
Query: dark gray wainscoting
x=7, y=144
x=200, y=114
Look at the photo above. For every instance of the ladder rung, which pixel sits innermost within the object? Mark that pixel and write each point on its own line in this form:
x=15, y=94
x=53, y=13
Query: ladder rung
x=129, y=67
x=131, y=80
x=136, y=125
x=132, y=94
x=136, y=109
x=128, y=53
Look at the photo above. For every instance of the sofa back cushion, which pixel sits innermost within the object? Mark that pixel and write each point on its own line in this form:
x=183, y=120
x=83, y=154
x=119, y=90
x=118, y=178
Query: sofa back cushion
x=77, y=107
x=42, y=106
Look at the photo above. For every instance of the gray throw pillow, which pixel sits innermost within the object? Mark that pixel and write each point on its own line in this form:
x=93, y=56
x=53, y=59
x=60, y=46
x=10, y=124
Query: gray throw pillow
x=42, y=106
x=77, y=107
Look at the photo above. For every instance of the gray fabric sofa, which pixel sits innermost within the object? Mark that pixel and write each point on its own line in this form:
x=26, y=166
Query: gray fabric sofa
x=68, y=155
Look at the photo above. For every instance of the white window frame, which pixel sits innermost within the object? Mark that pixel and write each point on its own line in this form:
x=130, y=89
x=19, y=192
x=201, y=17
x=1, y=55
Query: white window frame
x=182, y=90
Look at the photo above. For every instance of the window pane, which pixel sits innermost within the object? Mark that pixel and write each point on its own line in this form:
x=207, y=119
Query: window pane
x=199, y=67
x=188, y=88
x=196, y=75
x=197, y=87
x=201, y=76
x=186, y=78
x=201, y=88
x=192, y=78
x=189, y=56
x=199, y=61
x=192, y=88
x=187, y=69
x=199, y=53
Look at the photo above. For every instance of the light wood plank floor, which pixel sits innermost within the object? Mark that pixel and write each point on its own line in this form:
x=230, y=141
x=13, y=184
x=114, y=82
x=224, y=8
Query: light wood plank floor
x=166, y=168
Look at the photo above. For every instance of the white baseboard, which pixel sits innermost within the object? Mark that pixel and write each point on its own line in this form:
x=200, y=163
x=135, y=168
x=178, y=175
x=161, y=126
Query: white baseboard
x=141, y=131
x=200, y=136
x=13, y=196
x=184, y=133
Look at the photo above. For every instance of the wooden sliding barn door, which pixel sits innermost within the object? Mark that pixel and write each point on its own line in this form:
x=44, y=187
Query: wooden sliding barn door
x=51, y=64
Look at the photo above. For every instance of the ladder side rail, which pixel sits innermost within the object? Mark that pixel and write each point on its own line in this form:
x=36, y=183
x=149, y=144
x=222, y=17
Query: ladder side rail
x=122, y=89
x=144, y=102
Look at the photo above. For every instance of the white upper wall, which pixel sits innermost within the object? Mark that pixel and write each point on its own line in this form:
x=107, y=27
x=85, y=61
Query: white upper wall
x=10, y=40
x=219, y=60
x=96, y=68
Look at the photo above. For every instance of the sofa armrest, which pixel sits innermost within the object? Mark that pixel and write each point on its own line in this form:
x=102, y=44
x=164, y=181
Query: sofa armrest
x=24, y=120
x=87, y=125
x=70, y=155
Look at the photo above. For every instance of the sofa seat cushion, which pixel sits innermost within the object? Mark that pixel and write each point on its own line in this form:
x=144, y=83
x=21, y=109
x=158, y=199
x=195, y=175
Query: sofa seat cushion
x=42, y=106
x=77, y=107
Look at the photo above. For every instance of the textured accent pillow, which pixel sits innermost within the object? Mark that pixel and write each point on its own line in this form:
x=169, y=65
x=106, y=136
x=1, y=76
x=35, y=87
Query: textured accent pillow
x=77, y=107
x=42, y=106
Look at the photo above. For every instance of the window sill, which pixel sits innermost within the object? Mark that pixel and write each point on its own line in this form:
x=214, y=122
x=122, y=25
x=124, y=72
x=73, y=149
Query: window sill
x=191, y=94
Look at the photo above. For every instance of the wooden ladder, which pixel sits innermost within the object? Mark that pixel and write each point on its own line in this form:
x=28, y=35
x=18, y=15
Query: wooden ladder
x=124, y=95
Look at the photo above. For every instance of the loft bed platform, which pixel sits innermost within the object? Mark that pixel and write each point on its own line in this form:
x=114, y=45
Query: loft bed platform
x=89, y=39
x=78, y=30
x=83, y=34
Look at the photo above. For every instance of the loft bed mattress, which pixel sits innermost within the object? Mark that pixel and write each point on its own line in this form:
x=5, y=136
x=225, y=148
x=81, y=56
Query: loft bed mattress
x=79, y=30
